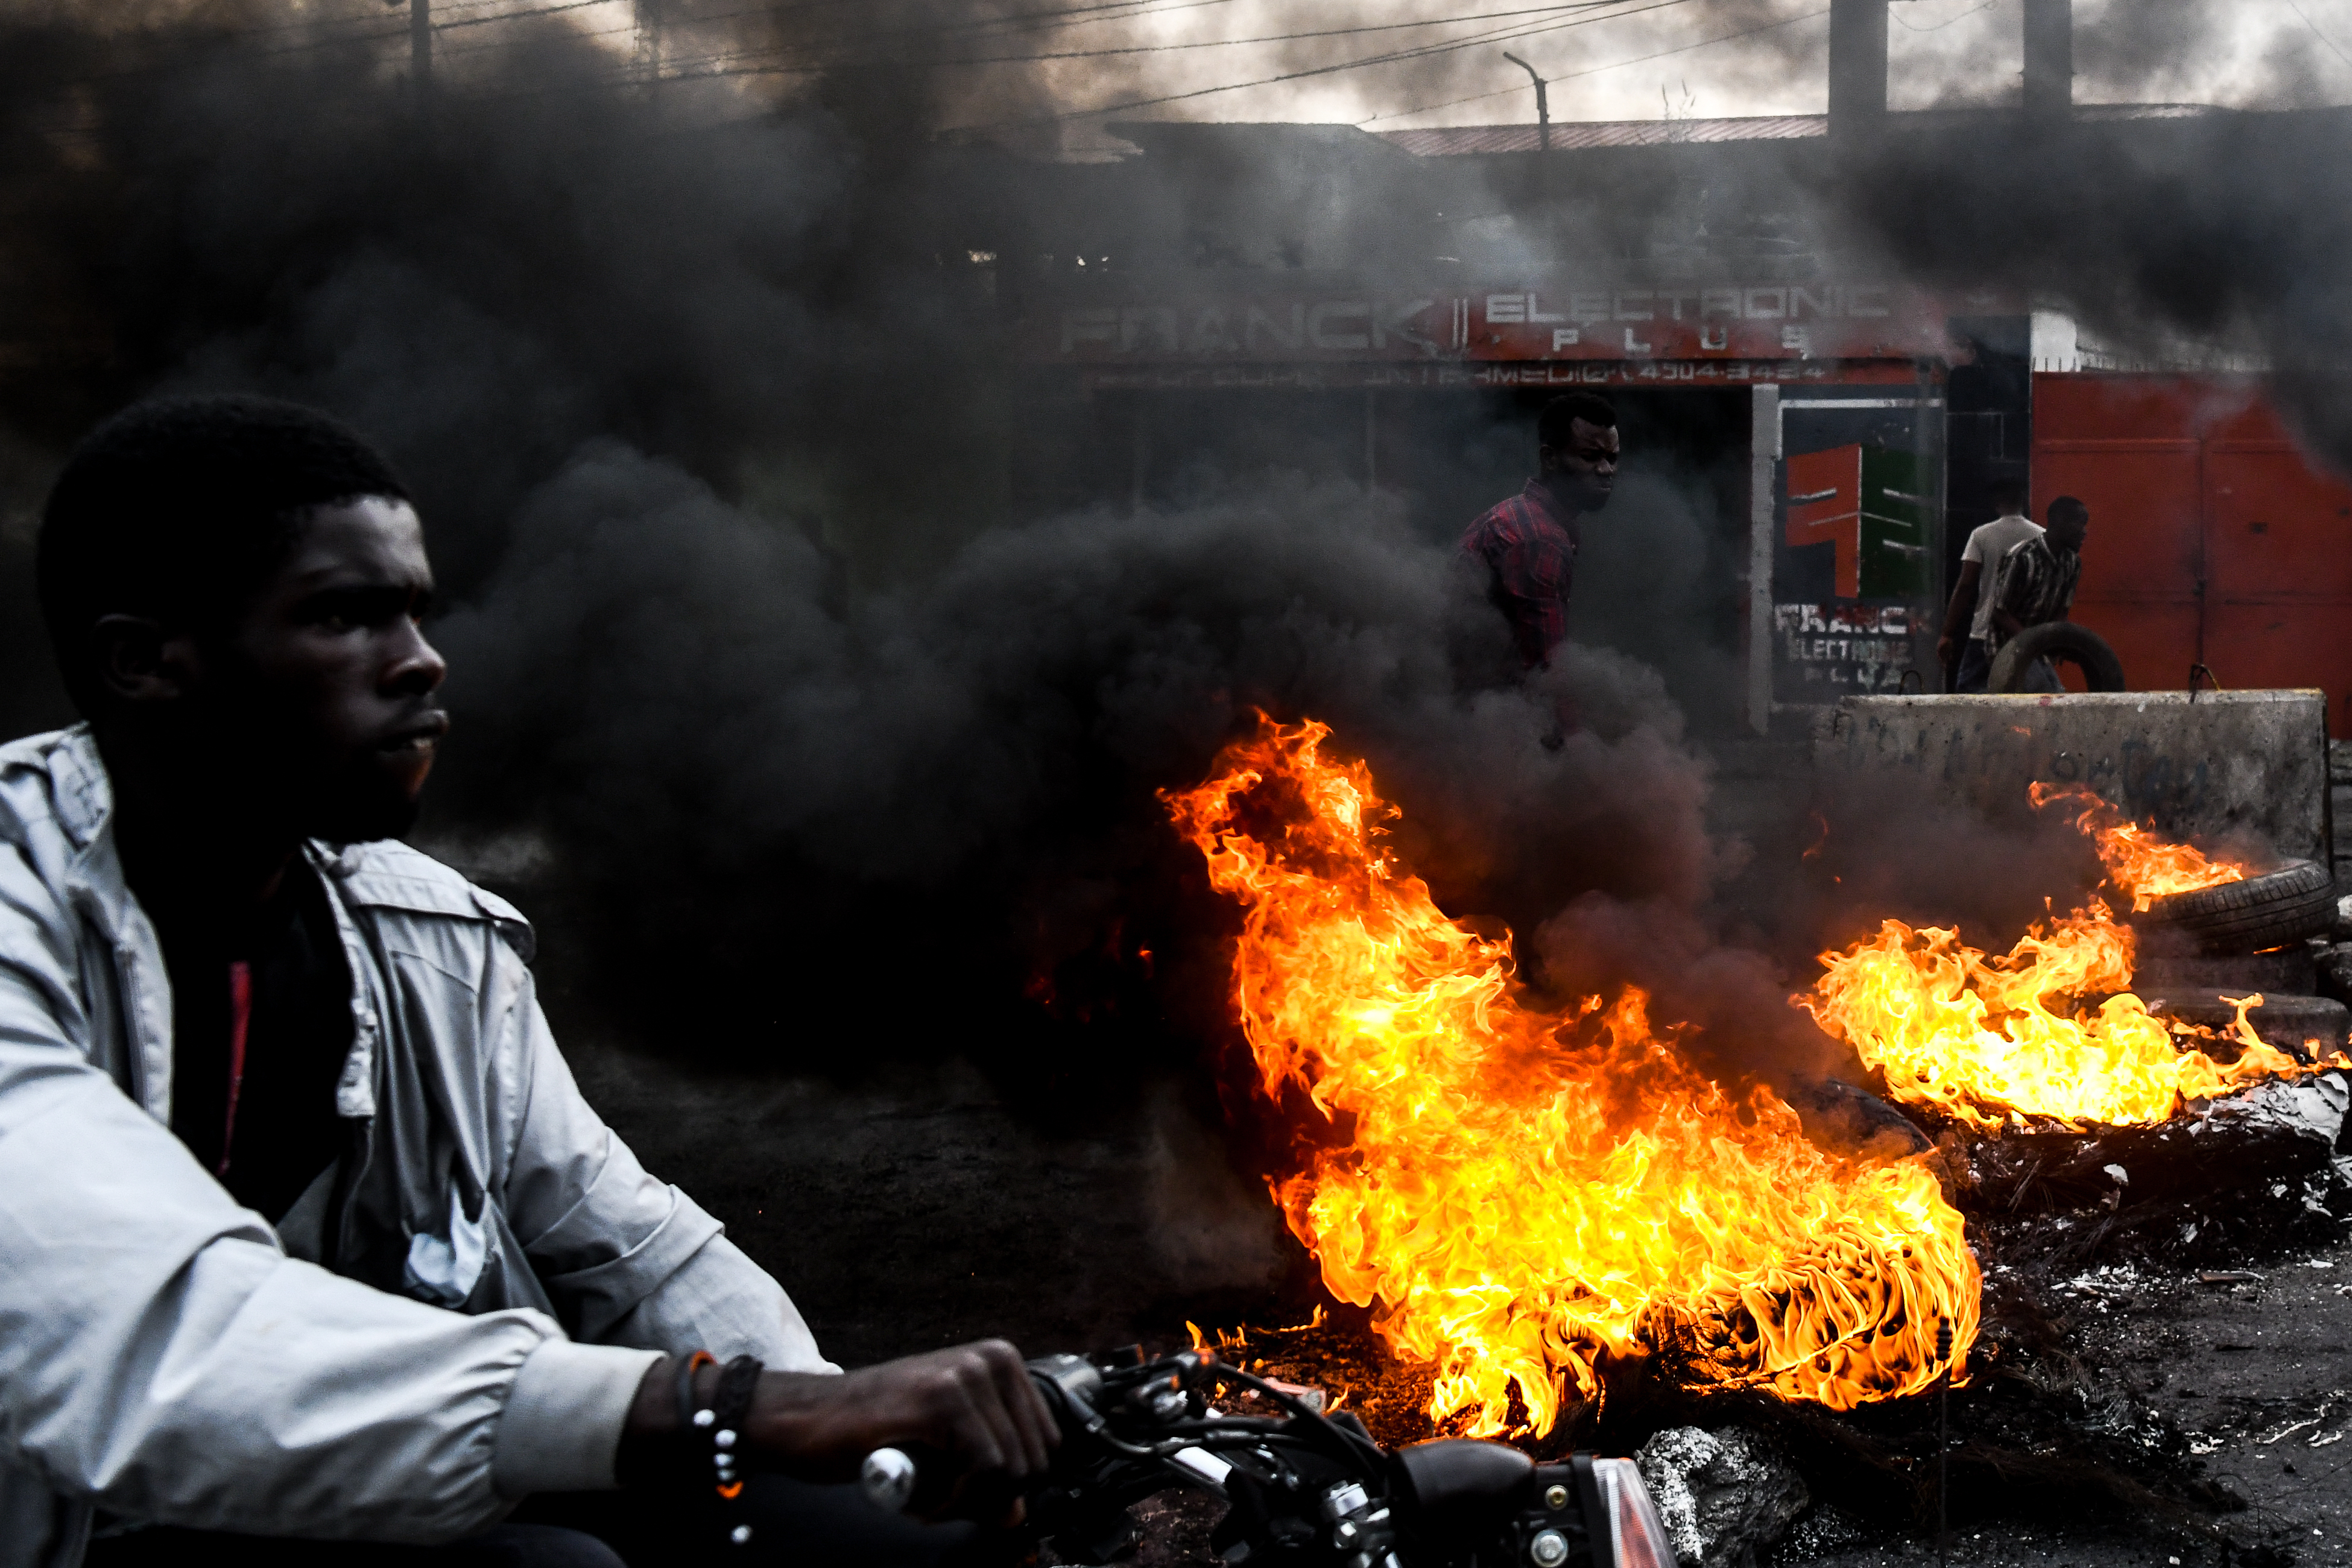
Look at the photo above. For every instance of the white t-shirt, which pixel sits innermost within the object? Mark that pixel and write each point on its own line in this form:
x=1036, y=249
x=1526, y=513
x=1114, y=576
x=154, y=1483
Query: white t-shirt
x=1987, y=545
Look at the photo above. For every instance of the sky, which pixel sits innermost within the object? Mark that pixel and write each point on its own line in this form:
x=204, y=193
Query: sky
x=1609, y=59
x=1382, y=64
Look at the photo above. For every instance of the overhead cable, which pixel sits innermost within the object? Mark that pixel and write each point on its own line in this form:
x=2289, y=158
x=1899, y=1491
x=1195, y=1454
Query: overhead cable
x=1422, y=52
x=1596, y=70
x=1228, y=43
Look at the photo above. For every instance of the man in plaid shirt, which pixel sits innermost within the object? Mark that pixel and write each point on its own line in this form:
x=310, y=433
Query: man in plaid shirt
x=1528, y=544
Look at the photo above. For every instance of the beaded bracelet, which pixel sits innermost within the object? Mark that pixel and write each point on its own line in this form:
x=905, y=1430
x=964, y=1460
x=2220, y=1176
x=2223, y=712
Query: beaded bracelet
x=730, y=1402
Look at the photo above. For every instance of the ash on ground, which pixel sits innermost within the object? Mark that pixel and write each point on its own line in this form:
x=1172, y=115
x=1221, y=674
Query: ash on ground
x=1724, y=1497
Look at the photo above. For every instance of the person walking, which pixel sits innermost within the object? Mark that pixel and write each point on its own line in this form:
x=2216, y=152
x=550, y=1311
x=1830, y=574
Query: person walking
x=2037, y=583
x=1528, y=542
x=1972, y=596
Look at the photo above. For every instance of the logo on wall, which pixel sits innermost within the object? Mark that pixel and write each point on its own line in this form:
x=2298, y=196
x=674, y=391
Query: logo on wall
x=1872, y=506
x=1874, y=511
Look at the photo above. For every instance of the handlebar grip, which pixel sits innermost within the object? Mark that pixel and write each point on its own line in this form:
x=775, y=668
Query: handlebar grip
x=888, y=1477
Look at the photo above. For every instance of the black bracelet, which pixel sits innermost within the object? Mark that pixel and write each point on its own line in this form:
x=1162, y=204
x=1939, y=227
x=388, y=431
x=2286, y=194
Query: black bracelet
x=723, y=1419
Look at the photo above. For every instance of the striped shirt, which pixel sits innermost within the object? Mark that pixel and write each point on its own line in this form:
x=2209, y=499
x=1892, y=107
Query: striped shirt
x=2037, y=583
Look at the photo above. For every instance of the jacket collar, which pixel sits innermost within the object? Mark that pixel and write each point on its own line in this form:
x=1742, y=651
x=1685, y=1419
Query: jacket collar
x=81, y=802
x=84, y=801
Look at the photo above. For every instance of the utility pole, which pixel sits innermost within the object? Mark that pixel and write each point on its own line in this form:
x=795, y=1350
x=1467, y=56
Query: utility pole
x=1543, y=104
x=2050, y=60
x=420, y=53
x=1857, y=71
x=649, y=39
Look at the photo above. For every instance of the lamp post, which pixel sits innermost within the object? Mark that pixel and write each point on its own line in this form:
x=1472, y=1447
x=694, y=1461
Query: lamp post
x=1543, y=104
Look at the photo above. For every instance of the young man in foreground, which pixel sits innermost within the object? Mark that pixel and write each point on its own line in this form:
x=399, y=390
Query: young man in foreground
x=307, y=1230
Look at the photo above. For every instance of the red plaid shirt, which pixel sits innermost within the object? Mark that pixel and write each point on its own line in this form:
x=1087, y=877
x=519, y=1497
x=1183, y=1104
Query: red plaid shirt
x=1528, y=544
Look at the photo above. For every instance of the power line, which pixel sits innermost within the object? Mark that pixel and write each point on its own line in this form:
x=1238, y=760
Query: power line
x=1038, y=20
x=2316, y=33
x=730, y=61
x=1131, y=8
x=1103, y=10
x=1083, y=13
x=1596, y=70
x=1232, y=43
x=208, y=48
x=1422, y=52
x=369, y=15
x=1940, y=26
x=1277, y=37
x=519, y=15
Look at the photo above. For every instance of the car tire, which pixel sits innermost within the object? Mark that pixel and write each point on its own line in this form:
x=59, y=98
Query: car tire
x=2284, y=906
x=2311, y=1028
x=2287, y=971
x=2102, y=671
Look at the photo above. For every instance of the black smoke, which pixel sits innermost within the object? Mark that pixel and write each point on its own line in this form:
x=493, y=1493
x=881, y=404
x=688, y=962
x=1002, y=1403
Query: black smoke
x=949, y=788
x=707, y=395
x=842, y=742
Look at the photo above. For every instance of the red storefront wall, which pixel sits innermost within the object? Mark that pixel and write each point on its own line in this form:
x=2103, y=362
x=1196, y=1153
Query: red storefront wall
x=2214, y=540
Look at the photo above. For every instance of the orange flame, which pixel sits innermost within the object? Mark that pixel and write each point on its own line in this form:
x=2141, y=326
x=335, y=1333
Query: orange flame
x=1975, y=1036
x=2143, y=866
x=1235, y=1339
x=1522, y=1193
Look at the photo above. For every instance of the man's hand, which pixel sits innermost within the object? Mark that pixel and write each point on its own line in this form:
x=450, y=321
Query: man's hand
x=973, y=1408
x=1944, y=648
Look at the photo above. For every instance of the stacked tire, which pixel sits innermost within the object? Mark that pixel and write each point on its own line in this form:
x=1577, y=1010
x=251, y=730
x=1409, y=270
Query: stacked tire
x=2254, y=936
x=2287, y=905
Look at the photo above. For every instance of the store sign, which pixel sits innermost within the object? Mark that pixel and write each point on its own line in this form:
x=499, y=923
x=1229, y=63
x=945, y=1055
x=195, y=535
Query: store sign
x=1522, y=323
x=1837, y=650
x=1853, y=569
x=1378, y=375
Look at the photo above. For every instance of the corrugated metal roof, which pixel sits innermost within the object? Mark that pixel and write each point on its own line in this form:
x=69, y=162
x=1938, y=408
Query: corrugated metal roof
x=1453, y=140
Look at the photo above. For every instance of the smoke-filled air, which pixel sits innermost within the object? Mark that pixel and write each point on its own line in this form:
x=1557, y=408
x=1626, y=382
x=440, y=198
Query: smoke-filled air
x=1603, y=724
x=783, y=600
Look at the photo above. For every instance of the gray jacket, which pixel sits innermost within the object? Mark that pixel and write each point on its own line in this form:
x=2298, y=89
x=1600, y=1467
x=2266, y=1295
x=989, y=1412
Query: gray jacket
x=503, y=1269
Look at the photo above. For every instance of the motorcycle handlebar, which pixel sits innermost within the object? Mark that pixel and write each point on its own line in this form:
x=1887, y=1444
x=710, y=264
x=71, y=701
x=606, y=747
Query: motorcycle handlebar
x=1456, y=1500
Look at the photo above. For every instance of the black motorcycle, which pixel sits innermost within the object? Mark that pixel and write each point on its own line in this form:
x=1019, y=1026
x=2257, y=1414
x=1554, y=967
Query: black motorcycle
x=1306, y=1489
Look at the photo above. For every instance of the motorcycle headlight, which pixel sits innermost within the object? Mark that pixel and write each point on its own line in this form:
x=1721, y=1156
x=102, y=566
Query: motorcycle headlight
x=1636, y=1537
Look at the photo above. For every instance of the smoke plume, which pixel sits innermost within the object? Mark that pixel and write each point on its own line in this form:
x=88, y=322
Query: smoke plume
x=706, y=398
x=809, y=698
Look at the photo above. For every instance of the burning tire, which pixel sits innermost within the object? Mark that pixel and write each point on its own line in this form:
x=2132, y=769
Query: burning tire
x=2102, y=671
x=2295, y=902
x=2305, y=1026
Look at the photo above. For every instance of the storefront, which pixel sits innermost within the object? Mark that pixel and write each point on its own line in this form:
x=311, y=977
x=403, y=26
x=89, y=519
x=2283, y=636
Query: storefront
x=1809, y=417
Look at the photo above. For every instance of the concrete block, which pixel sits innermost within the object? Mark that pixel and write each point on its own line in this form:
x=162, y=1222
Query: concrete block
x=2203, y=767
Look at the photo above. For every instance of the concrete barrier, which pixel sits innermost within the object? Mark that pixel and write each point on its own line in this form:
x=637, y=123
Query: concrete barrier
x=2202, y=766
